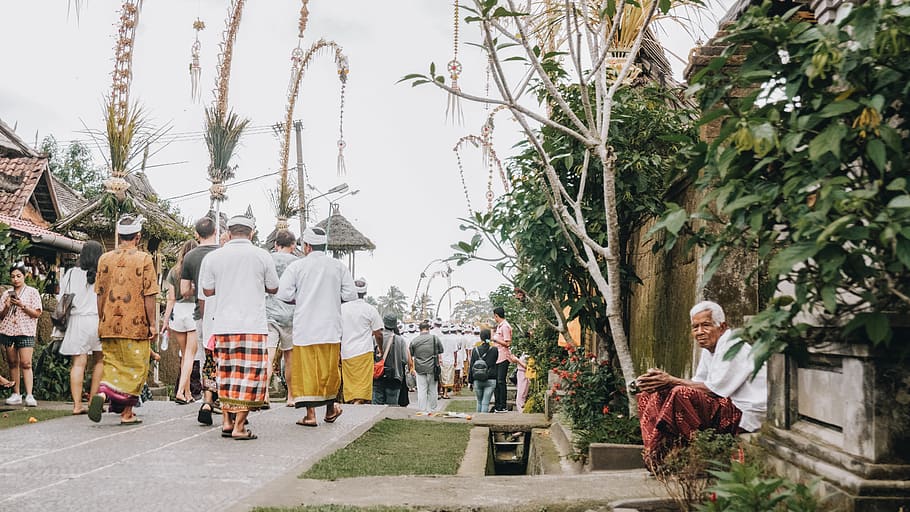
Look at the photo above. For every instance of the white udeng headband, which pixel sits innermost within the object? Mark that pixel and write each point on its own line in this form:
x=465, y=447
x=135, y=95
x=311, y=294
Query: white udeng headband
x=129, y=229
x=313, y=238
x=242, y=220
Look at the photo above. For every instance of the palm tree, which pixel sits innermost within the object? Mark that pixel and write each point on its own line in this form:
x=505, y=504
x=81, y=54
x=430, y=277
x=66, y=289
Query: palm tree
x=425, y=306
x=393, y=302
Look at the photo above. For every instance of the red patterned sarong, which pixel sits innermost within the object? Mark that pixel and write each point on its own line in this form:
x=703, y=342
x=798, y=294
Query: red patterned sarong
x=673, y=415
x=242, y=363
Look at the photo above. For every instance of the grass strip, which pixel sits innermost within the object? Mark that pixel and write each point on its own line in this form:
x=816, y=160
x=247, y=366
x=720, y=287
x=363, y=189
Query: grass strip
x=461, y=406
x=17, y=417
x=398, y=447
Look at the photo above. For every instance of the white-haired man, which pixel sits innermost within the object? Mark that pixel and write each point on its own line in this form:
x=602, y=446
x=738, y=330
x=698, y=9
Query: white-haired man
x=722, y=395
x=317, y=284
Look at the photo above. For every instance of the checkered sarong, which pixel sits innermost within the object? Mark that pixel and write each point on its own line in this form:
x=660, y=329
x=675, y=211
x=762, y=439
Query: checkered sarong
x=242, y=363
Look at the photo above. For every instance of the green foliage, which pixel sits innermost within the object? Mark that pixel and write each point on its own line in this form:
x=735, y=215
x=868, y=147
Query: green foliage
x=744, y=488
x=52, y=373
x=684, y=470
x=592, y=396
x=11, y=251
x=810, y=169
x=74, y=166
x=222, y=135
x=648, y=130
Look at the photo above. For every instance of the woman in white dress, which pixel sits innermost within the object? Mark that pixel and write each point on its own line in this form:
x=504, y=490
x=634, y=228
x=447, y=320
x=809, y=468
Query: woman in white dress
x=81, y=337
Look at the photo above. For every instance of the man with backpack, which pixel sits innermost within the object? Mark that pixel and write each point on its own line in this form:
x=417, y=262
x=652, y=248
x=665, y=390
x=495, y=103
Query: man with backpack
x=482, y=371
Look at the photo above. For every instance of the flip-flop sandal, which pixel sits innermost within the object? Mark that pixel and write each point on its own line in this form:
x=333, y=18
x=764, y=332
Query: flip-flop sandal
x=331, y=419
x=304, y=423
x=80, y=412
x=135, y=421
x=248, y=437
x=227, y=433
x=205, y=415
x=96, y=408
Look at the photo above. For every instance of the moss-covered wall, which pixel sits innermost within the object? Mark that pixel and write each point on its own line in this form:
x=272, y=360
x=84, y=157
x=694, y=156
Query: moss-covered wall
x=659, y=332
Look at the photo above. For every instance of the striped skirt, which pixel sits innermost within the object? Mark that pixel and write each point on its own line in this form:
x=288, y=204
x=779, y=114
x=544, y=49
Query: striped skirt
x=242, y=364
x=315, y=377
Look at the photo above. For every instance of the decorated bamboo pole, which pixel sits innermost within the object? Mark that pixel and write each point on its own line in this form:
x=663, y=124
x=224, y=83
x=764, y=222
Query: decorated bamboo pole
x=223, y=128
x=287, y=201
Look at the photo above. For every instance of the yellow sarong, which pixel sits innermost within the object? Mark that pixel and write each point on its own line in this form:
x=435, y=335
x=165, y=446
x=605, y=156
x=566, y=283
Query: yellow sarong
x=315, y=377
x=126, y=364
x=357, y=373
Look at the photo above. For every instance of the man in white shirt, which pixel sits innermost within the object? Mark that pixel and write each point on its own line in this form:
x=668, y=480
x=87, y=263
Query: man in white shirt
x=317, y=284
x=241, y=274
x=447, y=374
x=723, y=395
x=361, y=331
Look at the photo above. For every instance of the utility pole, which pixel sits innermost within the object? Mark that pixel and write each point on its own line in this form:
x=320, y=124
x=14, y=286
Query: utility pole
x=301, y=194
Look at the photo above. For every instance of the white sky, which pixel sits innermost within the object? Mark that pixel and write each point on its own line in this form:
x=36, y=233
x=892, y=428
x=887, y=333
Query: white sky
x=56, y=70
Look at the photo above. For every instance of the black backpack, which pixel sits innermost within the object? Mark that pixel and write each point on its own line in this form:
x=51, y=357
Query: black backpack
x=479, y=368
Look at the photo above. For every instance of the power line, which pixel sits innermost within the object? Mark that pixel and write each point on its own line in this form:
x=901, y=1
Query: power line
x=177, y=137
x=190, y=195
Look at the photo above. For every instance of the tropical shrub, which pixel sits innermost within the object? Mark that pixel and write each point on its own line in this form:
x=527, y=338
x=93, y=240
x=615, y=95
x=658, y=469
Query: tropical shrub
x=809, y=170
x=591, y=395
x=684, y=470
x=746, y=488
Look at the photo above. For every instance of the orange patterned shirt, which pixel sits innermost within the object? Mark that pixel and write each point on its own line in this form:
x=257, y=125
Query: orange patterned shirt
x=125, y=277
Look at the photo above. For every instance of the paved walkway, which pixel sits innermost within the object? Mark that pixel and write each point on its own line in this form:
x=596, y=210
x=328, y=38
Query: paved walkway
x=170, y=462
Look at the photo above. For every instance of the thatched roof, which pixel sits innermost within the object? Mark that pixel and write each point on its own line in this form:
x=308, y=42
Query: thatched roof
x=343, y=236
x=94, y=217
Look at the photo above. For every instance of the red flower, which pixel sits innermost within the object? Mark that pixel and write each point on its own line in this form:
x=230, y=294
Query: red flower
x=606, y=410
x=556, y=386
x=570, y=348
x=713, y=497
x=592, y=356
x=572, y=392
x=556, y=398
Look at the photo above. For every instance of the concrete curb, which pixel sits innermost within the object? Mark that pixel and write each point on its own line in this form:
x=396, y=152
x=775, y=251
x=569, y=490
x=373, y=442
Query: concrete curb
x=279, y=490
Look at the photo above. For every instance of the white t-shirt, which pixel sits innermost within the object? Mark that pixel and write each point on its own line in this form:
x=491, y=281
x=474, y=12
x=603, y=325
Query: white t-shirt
x=318, y=284
x=239, y=272
x=731, y=379
x=450, y=346
x=85, y=302
x=358, y=321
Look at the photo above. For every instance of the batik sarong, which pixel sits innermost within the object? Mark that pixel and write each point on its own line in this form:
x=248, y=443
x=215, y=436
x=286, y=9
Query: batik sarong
x=315, y=377
x=210, y=372
x=126, y=368
x=357, y=377
x=242, y=368
x=672, y=415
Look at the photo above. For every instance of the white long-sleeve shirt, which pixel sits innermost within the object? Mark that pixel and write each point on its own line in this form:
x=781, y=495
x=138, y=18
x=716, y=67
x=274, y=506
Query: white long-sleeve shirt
x=318, y=284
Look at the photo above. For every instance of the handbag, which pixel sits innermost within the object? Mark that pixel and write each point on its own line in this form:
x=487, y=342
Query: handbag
x=60, y=317
x=437, y=371
x=379, y=366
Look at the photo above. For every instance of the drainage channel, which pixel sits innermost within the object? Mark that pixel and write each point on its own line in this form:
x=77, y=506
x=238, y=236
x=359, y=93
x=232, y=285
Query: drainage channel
x=509, y=451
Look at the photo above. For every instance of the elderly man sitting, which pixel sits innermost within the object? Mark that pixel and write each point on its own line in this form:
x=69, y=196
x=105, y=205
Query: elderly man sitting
x=722, y=396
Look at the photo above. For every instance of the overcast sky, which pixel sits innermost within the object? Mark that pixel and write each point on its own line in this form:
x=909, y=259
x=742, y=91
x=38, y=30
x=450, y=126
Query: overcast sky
x=56, y=69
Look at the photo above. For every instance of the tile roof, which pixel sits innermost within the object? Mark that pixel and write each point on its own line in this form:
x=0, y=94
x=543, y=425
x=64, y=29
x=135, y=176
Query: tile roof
x=18, y=179
x=36, y=233
x=68, y=199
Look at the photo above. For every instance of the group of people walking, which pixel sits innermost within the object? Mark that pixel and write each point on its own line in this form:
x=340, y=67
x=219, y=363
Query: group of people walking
x=231, y=307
